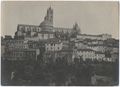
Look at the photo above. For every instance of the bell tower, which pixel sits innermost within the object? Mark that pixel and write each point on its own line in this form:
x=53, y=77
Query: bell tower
x=49, y=15
x=48, y=20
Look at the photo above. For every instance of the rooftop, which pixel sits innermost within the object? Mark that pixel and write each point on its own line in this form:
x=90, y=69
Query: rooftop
x=98, y=52
x=28, y=25
x=62, y=28
x=85, y=50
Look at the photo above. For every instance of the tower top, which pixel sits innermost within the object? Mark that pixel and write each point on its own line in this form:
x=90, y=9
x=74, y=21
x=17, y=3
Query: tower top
x=76, y=27
x=50, y=7
x=48, y=19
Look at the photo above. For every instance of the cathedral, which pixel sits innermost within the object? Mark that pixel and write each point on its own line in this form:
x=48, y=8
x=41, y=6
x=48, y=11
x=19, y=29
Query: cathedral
x=46, y=30
x=45, y=27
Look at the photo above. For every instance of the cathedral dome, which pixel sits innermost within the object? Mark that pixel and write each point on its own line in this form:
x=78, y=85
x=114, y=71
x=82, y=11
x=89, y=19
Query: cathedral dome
x=45, y=24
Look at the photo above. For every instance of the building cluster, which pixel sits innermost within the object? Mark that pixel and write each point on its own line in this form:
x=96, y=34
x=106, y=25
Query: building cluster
x=30, y=41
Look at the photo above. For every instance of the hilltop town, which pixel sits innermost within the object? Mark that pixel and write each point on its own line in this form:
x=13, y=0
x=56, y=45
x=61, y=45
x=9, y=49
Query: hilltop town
x=31, y=39
x=48, y=44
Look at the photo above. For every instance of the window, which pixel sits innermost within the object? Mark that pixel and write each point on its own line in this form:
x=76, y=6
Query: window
x=33, y=29
x=20, y=28
x=39, y=29
x=51, y=44
x=27, y=29
x=43, y=35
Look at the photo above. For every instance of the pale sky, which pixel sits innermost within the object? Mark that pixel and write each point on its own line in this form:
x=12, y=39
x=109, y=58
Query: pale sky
x=92, y=17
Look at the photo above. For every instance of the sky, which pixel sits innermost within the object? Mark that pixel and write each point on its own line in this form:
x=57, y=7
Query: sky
x=92, y=17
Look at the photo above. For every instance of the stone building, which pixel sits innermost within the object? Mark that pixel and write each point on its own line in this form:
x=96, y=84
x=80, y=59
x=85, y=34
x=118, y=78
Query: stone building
x=80, y=45
x=17, y=44
x=86, y=54
x=97, y=47
x=97, y=37
x=99, y=55
x=54, y=46
x=21, y=54
x=45, y=28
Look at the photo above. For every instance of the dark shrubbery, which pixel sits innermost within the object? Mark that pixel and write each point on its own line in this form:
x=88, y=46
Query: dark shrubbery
x=57, y=73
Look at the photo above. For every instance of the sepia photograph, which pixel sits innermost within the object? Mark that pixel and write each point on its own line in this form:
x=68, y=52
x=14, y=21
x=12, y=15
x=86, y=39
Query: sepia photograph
x=59, y=43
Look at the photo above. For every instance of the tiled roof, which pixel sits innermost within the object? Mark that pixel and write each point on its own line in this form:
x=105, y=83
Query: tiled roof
x=96, y=45
x=62, y=28
x=113, y=46
x=21, y=49
x=90, y=35
x=90, y=40
x=28, y=25
x=116, y=53
x=85, y=50
x=79, y=42
x=53, y=40
x=46, y=32
x=98, y=52
x=66, y=50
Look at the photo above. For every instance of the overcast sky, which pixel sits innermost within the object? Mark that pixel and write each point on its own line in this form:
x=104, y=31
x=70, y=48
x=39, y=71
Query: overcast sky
x=92, y=17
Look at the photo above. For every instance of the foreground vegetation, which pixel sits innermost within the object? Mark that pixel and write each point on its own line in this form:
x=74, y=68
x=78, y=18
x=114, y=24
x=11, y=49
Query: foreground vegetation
x=58, y=73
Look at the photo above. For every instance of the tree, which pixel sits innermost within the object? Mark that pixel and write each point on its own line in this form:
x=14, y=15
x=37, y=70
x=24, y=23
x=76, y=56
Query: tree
x=76, y=60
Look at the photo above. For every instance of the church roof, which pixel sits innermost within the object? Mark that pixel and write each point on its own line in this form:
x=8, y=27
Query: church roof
x=46, y=32
x=61, y=28
x=45, y=23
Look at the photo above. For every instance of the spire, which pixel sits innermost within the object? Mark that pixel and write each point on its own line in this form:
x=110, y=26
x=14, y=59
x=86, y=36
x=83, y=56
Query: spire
x=50, y=7
x=76, y=28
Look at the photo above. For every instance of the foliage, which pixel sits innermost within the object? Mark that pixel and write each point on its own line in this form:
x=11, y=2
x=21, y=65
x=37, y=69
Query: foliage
x=58, y=72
